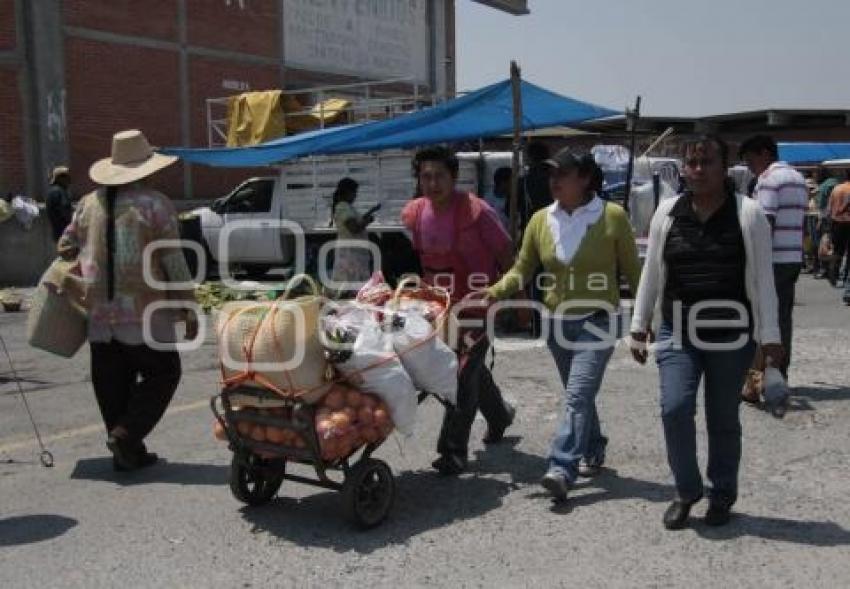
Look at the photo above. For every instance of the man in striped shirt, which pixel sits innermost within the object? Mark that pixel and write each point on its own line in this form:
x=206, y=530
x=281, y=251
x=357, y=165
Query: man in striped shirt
x=782, y=193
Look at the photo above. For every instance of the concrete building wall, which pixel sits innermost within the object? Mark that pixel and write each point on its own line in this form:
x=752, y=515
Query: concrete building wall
x=25, y=254
x=251, y=27
x=154, y=19
x=147, y=98
x=13, y=165
x=8, y=35
x=75, y=72
x=208, y=77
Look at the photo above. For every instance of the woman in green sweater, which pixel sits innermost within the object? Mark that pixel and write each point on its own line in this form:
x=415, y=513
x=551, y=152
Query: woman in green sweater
x=583, y=243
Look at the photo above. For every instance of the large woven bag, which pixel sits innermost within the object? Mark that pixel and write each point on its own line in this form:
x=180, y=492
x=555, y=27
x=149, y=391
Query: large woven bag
x=275, y=344
x=56, y=322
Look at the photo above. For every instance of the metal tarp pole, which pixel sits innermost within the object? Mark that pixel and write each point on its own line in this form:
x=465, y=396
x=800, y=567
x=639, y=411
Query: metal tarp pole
x=632, y=122
x=517, y=150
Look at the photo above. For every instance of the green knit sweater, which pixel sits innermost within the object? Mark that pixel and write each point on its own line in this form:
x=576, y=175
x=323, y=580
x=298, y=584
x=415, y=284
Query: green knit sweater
x=607, y=250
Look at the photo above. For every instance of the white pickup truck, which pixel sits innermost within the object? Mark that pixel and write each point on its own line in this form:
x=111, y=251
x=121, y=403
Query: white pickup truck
x=300, y=194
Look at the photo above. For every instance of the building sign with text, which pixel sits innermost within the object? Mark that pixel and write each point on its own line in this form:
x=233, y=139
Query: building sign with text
x=377, y=39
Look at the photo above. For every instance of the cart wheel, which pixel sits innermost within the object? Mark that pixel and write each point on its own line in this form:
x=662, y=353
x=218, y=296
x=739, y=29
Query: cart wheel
x=368, y=492
x=251, y=485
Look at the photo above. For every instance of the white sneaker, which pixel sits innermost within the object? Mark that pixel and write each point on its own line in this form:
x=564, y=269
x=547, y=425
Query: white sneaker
x=556, y=484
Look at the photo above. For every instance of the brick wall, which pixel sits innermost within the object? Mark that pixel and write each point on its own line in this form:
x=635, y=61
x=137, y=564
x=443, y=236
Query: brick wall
x=206, y=78
x=246, y=26
x=7, y=25
x=13, y=174
x=149, y=18
x=146, y=96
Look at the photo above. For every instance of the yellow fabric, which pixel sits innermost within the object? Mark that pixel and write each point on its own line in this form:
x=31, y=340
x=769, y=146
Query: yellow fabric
x=330, y=111
x=255, y=117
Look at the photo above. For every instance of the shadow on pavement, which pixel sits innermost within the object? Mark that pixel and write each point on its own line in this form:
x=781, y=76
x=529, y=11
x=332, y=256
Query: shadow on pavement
x=608, y=486
x=27, y=529
x=810, y=533
x=504, y=458
x=424, y=501
x=178, y=473
x=827, y=392
x=527, y=469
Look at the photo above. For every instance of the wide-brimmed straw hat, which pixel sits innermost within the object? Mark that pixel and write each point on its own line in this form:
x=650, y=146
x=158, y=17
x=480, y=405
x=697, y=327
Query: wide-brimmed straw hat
x=58, y=172
x=132, y=159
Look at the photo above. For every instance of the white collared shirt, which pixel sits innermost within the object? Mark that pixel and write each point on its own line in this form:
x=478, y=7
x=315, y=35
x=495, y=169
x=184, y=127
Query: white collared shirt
x=568, y=230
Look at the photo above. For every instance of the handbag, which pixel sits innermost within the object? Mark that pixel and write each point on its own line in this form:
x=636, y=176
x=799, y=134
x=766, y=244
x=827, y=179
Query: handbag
x=57, y=321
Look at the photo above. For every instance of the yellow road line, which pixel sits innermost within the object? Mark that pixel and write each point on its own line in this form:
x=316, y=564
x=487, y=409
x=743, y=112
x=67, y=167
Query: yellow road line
x=88, y=429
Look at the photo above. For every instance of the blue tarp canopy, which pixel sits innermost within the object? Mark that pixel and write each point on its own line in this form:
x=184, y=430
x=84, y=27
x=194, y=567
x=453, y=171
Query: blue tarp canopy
x=813, y=153
x=484, y=113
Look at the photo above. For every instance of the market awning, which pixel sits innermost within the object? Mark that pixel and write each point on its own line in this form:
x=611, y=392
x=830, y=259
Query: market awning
x=484, y=113
x=813, y=153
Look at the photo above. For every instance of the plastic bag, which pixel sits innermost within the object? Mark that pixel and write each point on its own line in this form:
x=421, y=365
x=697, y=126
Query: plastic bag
x=431, y=364
x=376, y=291
x=363, y=353
x=26, y=211
x=776, y=390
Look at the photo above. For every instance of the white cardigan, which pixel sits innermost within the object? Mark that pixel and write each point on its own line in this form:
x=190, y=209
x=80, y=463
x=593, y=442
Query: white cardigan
x=761, y=289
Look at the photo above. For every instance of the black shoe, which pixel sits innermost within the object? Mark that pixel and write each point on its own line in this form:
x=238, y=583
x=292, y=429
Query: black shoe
x=449, y=465
x=146, y=458
x=676, y=514
x=495, y=435
x=128, y=456
x=125, y=455
x=717, y=514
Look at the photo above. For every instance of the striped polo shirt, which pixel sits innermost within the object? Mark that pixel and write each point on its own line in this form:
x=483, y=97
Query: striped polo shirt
x=781, y=191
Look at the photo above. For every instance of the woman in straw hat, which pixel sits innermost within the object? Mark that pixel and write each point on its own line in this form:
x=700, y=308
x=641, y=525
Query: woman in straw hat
x=133, y=378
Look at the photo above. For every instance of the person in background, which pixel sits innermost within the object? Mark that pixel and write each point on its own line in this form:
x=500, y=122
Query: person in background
x=825, y=182
x=351, y=263
x=534, y=191
x=708, y=245
x=499, y=198
x=108, y=235
x=781, y=192
x=58, y=201
x=839, y=214
x=460, y=241
x=582, y=243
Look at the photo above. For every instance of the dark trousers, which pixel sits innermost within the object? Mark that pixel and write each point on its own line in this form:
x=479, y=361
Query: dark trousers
x=841, y=243
x=814, y=229
x=680, y=373
x=133, y=385
x=785, y=276
x=476, y=391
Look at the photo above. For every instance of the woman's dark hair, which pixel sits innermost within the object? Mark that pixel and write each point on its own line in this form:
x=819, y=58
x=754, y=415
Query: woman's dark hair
x=111, y=197
x=436, y=154
x=702, y=141
x=588, y=168
x=537, y=151
x=344, y=187
x=757, y=144
x=502, y=174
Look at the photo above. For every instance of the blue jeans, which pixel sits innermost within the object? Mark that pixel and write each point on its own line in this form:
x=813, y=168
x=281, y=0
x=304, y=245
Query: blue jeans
x=680, y=373
x=581, y=371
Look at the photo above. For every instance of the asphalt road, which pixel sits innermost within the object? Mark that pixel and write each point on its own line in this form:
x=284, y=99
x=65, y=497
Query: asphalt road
x=176, y=524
